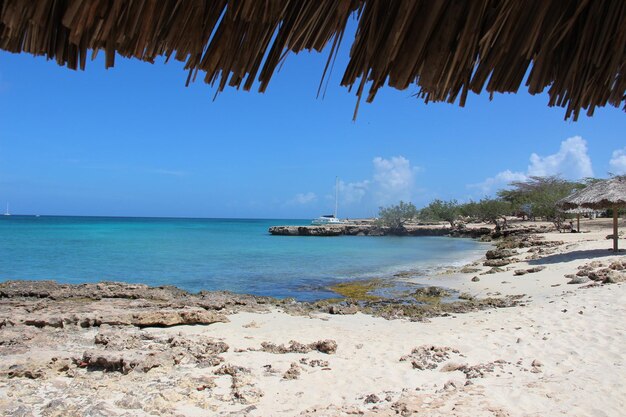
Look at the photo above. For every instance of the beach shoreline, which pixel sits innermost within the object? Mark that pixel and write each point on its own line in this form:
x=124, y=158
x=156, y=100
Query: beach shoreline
x=207, y=254
x=555, y=350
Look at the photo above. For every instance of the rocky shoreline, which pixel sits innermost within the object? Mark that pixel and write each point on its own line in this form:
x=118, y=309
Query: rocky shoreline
x=52, y=304
x=112, y=335
x=372, y=229
x=475, y=231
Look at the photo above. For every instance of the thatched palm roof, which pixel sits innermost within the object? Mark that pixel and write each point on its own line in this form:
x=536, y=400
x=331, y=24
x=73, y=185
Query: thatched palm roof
x=576, y=49
x=579, y=210
x=600, y=195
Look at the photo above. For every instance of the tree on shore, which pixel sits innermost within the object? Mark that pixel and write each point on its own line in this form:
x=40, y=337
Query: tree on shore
x=537, y=197
x=534, y=197
x=396, y=216
x=441, y=211
x=488, y=210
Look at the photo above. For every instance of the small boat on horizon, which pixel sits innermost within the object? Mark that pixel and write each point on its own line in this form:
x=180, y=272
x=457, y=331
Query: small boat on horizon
x=6, y=213
x=330, y=219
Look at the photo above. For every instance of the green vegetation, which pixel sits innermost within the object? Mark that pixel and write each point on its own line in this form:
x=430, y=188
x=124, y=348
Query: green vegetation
x=396, y=216
x=533, y=198
x=360, y=290
x=488, y=210
x=537, y=197
x=441, y=211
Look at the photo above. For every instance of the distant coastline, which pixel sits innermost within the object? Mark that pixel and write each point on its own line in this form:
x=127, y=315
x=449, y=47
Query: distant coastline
x=371, y=228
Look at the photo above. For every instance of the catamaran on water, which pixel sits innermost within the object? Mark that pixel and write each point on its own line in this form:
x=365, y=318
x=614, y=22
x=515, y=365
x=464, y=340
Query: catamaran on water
x=326, y=219
x=330, y=218
x=6, y=213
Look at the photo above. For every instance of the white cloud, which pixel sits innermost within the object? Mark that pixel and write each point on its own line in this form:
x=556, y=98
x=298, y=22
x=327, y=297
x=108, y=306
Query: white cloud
x=500, y=180
x=304, y=198
x=571, y=162
x=618, y=161
x=353, y=192
x=393, y=179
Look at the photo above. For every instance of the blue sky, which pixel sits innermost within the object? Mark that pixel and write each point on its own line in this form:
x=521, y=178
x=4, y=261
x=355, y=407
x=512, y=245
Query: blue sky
x=134, y=141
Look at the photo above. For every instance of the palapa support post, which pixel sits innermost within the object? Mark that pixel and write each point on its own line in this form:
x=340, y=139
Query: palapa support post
x=578, y=222
x=615, y=236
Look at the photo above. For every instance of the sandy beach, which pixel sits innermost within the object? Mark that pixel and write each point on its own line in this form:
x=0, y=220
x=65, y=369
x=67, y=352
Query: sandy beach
x=558, y=352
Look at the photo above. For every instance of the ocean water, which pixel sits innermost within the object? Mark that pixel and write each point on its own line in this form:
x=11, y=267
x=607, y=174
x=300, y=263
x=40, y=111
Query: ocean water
x=211, y=254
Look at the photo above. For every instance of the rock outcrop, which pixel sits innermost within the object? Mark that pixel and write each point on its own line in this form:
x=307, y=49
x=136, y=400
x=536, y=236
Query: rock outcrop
x=327, y=346
x=375, y=230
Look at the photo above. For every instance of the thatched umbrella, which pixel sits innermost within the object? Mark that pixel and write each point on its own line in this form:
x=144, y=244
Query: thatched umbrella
x=600, y=195
x=578, y=212
x=442, y=49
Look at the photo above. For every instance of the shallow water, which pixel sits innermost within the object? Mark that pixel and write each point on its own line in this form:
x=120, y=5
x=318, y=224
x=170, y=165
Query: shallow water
x=211, y=254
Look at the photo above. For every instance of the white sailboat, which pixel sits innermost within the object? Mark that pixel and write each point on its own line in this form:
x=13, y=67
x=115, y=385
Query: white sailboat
x=6, y=213
x=330, y=219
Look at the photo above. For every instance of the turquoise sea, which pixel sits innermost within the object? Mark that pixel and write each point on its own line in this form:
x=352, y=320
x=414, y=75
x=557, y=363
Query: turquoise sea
x=211, y=254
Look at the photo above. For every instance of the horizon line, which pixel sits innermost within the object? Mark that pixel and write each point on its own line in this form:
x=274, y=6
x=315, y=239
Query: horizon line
x=154, y=217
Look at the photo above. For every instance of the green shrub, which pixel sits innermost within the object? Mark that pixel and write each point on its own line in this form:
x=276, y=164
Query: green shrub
x=441, y=211
x=395, y=217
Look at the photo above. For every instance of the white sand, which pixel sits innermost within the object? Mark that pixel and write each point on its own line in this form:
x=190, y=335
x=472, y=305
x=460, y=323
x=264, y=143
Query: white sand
x=582, y=355
x=578, y=337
